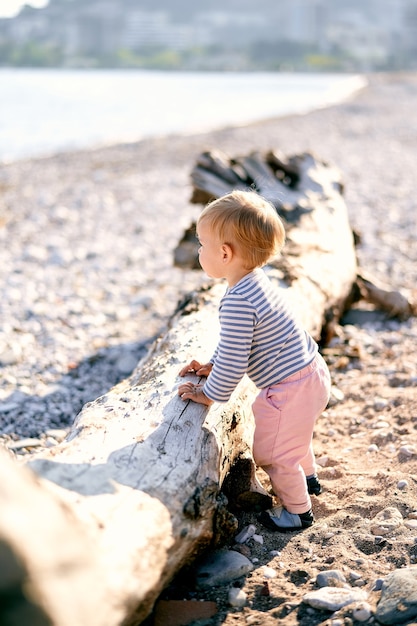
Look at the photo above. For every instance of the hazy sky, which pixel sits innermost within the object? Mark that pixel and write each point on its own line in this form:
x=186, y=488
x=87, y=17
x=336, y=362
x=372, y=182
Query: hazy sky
x=9, y=8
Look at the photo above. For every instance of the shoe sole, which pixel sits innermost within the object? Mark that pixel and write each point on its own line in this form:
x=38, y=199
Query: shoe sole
x=265, y=519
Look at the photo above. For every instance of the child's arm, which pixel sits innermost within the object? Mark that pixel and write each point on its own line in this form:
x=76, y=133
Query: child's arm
x=197, y=368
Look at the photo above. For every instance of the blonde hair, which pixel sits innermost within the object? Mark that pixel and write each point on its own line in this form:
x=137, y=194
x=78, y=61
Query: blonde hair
x=248, y=222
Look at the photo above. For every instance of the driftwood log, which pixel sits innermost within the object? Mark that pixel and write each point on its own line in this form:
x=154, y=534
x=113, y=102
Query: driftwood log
x=101, y=523
x=318, y=267
x=91, y=531
x=294, y=186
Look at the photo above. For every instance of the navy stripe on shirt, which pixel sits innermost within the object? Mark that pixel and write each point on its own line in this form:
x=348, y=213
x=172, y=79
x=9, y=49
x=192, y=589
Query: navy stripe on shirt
x=258, y=336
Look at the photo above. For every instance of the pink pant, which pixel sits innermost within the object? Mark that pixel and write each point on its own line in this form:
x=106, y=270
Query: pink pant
x=284, y=420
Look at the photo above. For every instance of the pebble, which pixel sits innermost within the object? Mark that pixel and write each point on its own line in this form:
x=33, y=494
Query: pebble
x=258, y=538
x=328, y=535
x=407, y=451
x=380, y=404
x=411, y=524
x=237, y=597
x=386, y=521
x=269, y=572
x=362, y=612
x=29, y=442
x=333, y=598
x=402, y=484
x=322, y=461
x=221, y=567
x=330, y=578
x=245, y=534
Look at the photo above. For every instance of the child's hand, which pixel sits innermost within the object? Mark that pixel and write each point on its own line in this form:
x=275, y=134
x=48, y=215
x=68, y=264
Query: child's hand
x=189, y=391
x=196, y=368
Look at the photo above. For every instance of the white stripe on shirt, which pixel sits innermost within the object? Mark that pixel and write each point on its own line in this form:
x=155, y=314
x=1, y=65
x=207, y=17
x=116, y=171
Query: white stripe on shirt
x=258, y=336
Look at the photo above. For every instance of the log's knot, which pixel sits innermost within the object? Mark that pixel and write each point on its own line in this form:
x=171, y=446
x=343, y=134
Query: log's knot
x=234, y=422
x=202, y=500
x=207, y=501
x=225, y=524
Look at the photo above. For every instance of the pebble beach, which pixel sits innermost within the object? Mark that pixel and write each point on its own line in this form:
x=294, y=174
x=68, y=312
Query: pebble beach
x=88, y=282
x=87, y=240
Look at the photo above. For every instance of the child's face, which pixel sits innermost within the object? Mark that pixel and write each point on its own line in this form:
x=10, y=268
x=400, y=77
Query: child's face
x=211, y=253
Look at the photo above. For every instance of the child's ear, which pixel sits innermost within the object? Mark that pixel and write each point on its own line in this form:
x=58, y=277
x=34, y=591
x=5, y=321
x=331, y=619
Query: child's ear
x=227, y=252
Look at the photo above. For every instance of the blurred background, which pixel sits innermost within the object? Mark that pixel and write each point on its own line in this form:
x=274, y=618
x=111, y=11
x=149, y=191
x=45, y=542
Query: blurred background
x=87, y=73
x=313, y=35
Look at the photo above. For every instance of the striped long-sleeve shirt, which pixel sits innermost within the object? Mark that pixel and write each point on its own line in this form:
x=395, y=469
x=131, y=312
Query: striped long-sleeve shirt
x=258, y=336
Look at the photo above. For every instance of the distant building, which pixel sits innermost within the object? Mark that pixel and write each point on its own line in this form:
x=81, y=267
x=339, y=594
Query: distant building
x=371, y=33
x=230, y=29
x=30, y=25
x=154, y=28
x=303, y=20
x=410, y=33
x=97, y=27
x=363, y=43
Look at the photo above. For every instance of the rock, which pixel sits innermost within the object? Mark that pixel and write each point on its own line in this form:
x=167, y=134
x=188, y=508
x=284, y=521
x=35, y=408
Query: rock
x=243, y=548
x=406, y=452
x=269, y=572
x=386, y=521
x=29, y=442
x=402, y=484
x=380, y=404
x=362, y=612
x=411, y=524
x=57, y=433
x=398, y=601
x=333, y=598
x=331, y=578
x=237, y=597
x=245, y=534
x=221, y=567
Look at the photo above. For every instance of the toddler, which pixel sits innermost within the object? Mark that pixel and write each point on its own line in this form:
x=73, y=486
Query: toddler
x=238, y=234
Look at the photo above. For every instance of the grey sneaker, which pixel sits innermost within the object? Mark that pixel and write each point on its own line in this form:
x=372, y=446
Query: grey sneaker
x=282, y=520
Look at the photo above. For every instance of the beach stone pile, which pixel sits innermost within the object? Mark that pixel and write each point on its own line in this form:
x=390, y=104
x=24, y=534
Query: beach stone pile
x=87, y=280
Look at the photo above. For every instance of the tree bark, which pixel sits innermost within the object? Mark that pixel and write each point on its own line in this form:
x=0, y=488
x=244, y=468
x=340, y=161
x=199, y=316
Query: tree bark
x=101, y=523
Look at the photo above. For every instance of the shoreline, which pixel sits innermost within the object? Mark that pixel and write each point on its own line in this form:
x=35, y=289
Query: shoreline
x=298, y=97
x=88, y=239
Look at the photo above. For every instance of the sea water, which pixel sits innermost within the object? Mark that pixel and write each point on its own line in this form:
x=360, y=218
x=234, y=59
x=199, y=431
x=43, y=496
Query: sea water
x=43, y=112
